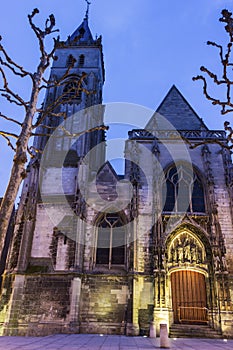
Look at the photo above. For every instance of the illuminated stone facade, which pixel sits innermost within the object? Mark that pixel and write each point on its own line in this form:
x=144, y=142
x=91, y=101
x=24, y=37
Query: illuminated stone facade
x=165, y=257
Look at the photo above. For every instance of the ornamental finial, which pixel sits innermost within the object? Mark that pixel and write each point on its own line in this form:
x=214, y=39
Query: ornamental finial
x=87, y=11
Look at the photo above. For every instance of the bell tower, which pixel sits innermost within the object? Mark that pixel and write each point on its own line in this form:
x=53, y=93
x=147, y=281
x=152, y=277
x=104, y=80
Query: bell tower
x=76, y=83
x=79, y=60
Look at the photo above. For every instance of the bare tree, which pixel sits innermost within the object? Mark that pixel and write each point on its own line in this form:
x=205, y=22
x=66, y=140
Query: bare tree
x=19, y=142
x=225, y=81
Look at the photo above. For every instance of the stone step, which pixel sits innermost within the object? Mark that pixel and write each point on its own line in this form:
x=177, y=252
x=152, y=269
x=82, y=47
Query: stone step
x=193, y=331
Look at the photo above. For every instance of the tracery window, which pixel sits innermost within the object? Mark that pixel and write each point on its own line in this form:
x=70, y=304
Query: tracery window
x=111, y=241
x=183, y=190
x=72, y=92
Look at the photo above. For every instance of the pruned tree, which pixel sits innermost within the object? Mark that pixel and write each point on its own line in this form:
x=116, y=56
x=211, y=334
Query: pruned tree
x=225, y=81
x=34, y=116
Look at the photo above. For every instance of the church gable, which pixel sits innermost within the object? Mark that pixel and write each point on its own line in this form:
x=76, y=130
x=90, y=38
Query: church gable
x=177, y=111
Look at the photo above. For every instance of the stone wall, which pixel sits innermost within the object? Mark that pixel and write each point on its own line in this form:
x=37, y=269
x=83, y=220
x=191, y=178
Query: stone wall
x=40, y=305
x=44, y=304
x=104, y=304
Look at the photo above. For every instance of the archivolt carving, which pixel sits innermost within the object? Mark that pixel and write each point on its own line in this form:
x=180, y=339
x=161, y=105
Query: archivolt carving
x=185, y=248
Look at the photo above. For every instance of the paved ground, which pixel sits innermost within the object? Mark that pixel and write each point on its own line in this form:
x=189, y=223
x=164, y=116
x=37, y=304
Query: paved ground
x=97, y=342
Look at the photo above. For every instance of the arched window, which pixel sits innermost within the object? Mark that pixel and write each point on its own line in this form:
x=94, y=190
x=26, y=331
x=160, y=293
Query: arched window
x=81, y=60
x=111, y=241
x=183, y=190
x=72, y=92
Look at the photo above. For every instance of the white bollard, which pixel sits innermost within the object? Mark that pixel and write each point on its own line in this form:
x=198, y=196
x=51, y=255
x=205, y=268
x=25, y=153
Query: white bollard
x=164, y=340
x=152, y=330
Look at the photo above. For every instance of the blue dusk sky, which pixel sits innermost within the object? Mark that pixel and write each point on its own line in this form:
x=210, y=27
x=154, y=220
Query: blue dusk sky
x=148, y=45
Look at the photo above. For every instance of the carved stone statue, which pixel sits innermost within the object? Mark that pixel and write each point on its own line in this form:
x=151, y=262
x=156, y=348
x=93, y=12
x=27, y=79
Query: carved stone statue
x=193, y=253
x=163, y=262
x=174, y=255
x=187, y=253
x=186, y=249
x=180, y=253
x=199, y=256
x=224, y=263
x=217, y=264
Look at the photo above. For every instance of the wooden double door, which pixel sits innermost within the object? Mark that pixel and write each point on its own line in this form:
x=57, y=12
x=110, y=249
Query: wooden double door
x=189, y=297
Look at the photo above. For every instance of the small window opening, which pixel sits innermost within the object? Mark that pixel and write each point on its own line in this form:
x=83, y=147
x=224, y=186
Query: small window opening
x=81, y=60
x=70, y=61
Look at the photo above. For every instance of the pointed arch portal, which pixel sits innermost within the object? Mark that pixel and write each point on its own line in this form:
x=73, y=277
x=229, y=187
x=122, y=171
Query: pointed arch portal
x=189, y=297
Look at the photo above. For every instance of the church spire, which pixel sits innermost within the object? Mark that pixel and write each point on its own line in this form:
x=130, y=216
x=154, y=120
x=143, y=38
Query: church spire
x=82, y=34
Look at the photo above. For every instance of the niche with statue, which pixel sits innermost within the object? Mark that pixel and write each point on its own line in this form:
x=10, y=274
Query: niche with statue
x=185, y=248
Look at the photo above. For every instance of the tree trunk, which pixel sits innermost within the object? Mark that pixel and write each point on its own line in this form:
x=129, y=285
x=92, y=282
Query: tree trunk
x=18, y=171
x=16, y=177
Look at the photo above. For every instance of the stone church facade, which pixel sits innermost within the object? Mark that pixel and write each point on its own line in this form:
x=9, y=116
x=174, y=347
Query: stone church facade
x=79, y=260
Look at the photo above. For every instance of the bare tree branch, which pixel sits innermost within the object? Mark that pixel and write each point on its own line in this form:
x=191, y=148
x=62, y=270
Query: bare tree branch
x=41, y=34
x=8, y=141
x=212, y=76
x=226, y=62
x=44, y=126
x=8, y=93
x=226, y=18
x=10, y=119
x=6, y=133
x=229, y=129
x=22, y=75
x=36, y=150
x=60, y=82
x=9, y=98
x=11, y=63
x=67, y=133
x=31, y=154
x=72, y=135
x=193, y=145
x=63, y=98
x=218, y=46
x=205, y=92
